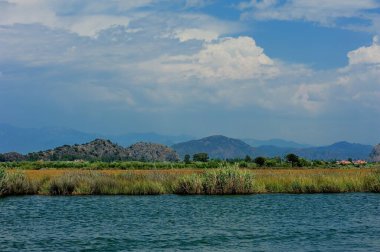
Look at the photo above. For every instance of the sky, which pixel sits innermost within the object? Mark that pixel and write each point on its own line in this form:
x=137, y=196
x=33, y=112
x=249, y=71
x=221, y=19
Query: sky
x=302, y=70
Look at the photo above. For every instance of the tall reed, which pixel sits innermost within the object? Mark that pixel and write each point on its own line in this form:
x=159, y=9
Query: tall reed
x=16, y=183
x=230, y=180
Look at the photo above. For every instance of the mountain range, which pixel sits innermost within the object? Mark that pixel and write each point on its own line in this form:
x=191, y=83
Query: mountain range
x=223, y=147
x=99, y=150
x=26, y=140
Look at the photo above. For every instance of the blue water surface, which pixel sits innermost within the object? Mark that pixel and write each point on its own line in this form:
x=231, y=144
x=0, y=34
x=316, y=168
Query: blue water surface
x=273, y=222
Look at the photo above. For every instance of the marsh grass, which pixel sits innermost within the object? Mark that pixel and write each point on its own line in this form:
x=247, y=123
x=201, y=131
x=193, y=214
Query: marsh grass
x=97, y=183
x=224, y=180
x=230, y=180
x=16, y=183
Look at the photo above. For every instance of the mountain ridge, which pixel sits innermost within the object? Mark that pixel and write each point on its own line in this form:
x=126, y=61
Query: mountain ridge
x=335, y=151
x=99, y=150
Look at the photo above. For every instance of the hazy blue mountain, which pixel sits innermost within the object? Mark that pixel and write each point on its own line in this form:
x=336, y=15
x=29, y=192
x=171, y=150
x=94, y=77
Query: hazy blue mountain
x=224, y=147
x=275, y=142
x=128, y=139
x=26, y=140
x=273, y=151
x=340, y=150
x=215, y=146
x=336, y=151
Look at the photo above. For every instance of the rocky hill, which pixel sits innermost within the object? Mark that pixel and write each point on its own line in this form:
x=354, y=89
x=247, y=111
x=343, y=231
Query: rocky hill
x=151, y=152
x=375, y=154
x=216, y=147
x=99, y=149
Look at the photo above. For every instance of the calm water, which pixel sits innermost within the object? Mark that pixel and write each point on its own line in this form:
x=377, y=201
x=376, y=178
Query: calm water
x=328, y=222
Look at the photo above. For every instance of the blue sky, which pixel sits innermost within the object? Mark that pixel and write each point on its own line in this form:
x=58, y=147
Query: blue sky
x=301, y=70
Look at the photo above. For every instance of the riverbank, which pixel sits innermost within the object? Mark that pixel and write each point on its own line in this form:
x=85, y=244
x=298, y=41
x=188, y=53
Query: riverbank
x=230, y=180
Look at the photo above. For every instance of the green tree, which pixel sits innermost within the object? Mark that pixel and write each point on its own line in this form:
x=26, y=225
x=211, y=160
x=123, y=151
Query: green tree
x=200, y=157
x=293, y=159
x=248, y=159
x=187, y=159
x=260, y=161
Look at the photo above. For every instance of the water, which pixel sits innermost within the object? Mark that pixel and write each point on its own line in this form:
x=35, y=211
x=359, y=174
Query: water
x=320, y=222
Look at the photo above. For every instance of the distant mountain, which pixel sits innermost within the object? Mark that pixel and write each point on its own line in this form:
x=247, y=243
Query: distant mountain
x=340, y=150
x=215, y=146
x=275, y=142
x=99, y=149
x=224, y=147
x=128, y=139
x=24, y=140
x=273, y=151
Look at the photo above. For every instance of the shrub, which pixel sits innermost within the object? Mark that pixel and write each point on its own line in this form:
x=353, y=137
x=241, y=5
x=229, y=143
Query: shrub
x=200, y=157
x=260, y=161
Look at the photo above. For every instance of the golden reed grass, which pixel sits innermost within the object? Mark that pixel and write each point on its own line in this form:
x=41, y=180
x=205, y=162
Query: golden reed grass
x=230, y=180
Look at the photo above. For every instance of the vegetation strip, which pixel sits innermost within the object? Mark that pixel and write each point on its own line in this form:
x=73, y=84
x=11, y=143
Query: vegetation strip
x=229, y=180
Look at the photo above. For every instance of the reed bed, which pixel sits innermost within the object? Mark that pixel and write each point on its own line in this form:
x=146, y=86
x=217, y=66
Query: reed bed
x=227, y=180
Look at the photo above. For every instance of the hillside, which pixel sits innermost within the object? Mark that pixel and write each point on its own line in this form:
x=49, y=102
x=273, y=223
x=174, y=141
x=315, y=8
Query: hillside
x=216, y=147
x=151, y=152
x=99, y=149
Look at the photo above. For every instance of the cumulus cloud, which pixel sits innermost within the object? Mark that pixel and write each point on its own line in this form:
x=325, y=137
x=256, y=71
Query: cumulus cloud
x=366, y=55
x=148, y=61
x=228, y=58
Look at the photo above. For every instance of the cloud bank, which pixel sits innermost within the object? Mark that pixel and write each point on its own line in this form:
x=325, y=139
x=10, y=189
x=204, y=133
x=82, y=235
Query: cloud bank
x=132, y=58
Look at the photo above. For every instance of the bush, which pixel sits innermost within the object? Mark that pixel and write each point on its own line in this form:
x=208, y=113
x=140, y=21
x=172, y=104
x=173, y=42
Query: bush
x=200, y=157
x=260, y=161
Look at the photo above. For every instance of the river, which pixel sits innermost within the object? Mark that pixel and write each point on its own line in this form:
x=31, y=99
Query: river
x=272, y=222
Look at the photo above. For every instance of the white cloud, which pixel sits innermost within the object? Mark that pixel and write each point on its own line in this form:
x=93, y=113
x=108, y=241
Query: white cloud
x=197, y=3
x=196, y=63
x=311, y=97
x=91, y=25
x=228, y=58
x=196, y=34
x=366, y=55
